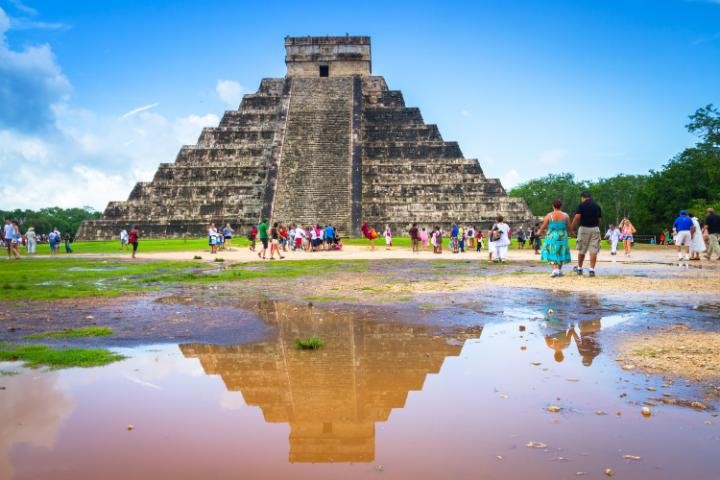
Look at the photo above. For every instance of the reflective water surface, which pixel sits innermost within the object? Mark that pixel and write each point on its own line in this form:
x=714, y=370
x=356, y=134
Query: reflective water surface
x=458, y=393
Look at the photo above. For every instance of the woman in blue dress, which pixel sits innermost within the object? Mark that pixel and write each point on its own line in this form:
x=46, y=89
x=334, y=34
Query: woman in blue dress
x=555, y=248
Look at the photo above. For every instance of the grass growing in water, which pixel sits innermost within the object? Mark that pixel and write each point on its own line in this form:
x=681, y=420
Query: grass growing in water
x=73, y=333
x=8, y=373
x=35, y=356
x=310, y=343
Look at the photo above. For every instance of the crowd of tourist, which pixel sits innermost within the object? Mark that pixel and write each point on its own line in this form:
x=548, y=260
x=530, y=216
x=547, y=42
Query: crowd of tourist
x=15, y=242
x=549, y=239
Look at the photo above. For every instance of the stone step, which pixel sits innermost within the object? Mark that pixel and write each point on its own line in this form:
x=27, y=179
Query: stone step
x=413, y=150
x=392, y=116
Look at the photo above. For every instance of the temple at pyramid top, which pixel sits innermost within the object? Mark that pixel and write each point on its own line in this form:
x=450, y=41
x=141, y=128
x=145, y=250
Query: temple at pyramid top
x=327, y=56
x=327, y=143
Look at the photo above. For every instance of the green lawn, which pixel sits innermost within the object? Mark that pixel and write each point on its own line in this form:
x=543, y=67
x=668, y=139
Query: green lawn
x=44, y=278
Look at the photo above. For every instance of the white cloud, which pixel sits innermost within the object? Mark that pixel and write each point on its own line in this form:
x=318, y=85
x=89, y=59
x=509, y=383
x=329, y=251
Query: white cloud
x=510, y=179
x=135, y=111
x=552, y=157
x=30, y=83
x=187, y=129
x=230, y=92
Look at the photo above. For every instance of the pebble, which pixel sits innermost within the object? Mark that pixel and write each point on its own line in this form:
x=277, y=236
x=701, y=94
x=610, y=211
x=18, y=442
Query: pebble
x=535, y=445
x=651, y=389
x=628, y=367
x=699, y=405
x=536, y=363
x=600, y=412
x=521, y=328
x=645, y=411
x=609, y=472
x=553, y=409
x=130, y=427
x=631, y=457
x=89, y=317
x=523, y=347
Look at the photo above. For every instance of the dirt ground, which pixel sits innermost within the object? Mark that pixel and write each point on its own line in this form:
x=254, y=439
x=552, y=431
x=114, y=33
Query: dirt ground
x=647, y=270
x=675, y=352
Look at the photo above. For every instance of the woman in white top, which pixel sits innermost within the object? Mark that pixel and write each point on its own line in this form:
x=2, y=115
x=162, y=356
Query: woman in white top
x=31, y=240
x=388, y=237
x=697, y=244
x=500, y=236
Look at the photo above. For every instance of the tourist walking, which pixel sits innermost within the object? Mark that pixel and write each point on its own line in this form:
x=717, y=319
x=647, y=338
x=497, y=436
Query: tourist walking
x=683, y=225
x=213, y=238
x=555, y=248
x=133, y=238
x=454, y=231
x=275, y=241
x=31, y=240
x=470, y=238
x=54, y=241
x=424, y=238
x=697, y=244
x=478, y=240
x=500, y=235
x=12, y=237
x=588, y=216
x=388, y=237
x=252, y=237
x=68, y=240
x=227, y=236
x=414, y=237
x=627, y=231
x=370, y=234
x=712, y=223
x=613, y=235
x=521, y=238
x=123, y=239
x=263, y=234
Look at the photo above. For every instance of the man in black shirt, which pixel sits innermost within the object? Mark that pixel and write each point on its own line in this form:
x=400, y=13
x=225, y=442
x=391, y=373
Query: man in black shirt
x=588, y=215
x=712, y=222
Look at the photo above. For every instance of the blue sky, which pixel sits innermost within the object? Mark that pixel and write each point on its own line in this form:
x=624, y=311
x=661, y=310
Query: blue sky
x=93, y=95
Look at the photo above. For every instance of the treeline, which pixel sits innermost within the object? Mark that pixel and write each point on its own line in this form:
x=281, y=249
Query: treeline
x=67, y=220
x=690, y=180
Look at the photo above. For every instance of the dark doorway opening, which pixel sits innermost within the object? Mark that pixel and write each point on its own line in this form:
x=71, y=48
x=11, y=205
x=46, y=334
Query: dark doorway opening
x=324, y=70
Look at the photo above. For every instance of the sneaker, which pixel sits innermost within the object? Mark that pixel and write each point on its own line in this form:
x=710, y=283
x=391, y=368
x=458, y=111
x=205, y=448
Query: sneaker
x=555, y=273
x=591, y=273
x=578, y=270
x=281, y=258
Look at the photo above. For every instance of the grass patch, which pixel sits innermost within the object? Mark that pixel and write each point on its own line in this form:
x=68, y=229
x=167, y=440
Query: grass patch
x=310, y=343
x=197, y=257
x=646, y=353
x=329, y=298
x=428, y=306
x=219, y=259
x=35, y=356
x=8, y=373
x=73, y=333
x=46, y=278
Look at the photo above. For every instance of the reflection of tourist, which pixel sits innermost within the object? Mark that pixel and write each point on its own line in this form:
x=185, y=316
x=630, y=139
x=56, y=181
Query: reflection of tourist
x=587, y=345
x=555, y=249
x=559, y=341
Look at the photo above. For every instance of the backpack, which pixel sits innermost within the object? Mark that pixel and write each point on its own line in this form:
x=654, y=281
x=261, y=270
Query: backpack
x=496, y=235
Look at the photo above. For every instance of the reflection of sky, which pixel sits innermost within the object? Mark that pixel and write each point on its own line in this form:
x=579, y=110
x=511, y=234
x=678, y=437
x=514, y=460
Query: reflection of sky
x=488, y=402
x=32, y=409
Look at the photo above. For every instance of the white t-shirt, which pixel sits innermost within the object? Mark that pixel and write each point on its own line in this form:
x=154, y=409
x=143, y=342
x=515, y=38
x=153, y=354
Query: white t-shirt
x=505, y=238
x=123, y=235
x=613, y=235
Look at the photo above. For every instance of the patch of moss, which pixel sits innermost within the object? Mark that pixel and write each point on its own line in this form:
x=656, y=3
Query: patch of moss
x=73, y=333
x=310, y=343
x=35, y=356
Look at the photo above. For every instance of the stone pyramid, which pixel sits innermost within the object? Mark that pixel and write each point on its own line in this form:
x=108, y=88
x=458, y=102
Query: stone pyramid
x=328, y=143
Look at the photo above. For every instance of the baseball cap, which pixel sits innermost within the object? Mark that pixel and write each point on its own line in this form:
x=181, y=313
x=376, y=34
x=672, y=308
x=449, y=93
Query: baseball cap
x=683, y=212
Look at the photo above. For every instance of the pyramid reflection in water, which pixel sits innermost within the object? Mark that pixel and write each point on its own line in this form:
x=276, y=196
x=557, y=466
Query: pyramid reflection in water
x=331, y=397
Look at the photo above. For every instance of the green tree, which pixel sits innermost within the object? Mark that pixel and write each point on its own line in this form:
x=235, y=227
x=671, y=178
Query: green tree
x=539, y=193
x=618, y=196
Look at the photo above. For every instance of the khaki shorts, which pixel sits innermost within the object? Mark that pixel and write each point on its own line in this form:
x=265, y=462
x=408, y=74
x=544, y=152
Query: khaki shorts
x=588, y=240
x=684, y=238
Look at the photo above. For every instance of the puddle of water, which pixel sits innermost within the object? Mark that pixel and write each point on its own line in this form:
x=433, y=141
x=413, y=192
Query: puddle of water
x=381, y=398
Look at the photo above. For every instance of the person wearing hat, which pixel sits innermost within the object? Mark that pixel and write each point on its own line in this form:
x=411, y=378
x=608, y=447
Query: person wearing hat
x=31, y=240
x=684, y=227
